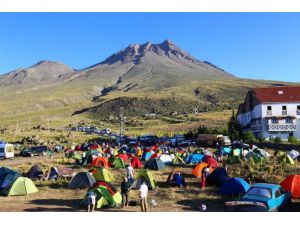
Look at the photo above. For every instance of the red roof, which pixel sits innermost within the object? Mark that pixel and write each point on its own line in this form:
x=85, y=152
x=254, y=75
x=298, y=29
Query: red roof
x=277, y=94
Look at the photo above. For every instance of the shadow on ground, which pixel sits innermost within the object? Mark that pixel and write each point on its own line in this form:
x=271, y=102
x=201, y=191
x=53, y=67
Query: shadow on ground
x=63, y=205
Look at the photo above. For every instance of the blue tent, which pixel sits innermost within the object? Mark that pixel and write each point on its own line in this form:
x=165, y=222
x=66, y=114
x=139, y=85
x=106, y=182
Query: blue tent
x=155, y=164
x=233, y=186
x=217, y=177
x=146, y=155
x=194, y=158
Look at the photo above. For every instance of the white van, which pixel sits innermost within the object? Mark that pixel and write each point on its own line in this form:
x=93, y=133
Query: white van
x=7, y=151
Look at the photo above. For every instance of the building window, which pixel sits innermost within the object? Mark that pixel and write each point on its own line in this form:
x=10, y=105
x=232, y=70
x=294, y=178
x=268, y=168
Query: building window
x=284, y=111
x=288, y=120
x=284, y=107
x=274, y=121
x=269, y=108
x=298, y=110
x=298, y=107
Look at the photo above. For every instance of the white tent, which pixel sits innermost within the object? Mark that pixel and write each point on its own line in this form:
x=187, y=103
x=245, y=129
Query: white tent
x=293, y=154
x=166, y=158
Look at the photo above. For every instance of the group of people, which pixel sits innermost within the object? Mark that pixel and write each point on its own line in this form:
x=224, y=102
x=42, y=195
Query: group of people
x=125, y=189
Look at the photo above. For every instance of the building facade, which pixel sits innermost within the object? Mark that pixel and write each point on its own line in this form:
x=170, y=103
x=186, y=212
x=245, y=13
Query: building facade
x=271, y=112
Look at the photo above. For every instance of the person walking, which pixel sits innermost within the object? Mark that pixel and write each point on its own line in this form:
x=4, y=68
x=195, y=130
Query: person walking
x=125, y=188
x=143, y=196
x=91, y=201
x=130, y=171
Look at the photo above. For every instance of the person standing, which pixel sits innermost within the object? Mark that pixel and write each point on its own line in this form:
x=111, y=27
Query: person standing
x=143, y=196
x=91, y=201
x=130, y=175
x=125, y=188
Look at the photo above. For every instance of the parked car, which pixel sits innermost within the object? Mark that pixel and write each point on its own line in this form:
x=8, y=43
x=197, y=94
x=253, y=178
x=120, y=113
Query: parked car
x=36, y=150
x=272, y=196
x=6, y=151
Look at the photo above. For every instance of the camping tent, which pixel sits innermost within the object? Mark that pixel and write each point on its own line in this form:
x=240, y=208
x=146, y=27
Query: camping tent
x=166, y=159
x=136, y=163
x=146, y=155
x=236, y=152
x=178, y=160
x=146, y=176
x=102, y=174
x=286, y=159
x=100, y=161
x=116, y=162
x=124, y=157
x=35, y=173
x=293, y=154
x=82, y=180
x=233, y=186
x=21, y=186
x=197, y=171
x=194, y=158
x=217, y=177
x=5, y=170
x=226, y=150
x=155, y=164
x=207, y=152
x=104, y=197
x=7, y=179
x=292, y=184
x=210, y=161
x=57, y=172
x=261, y=153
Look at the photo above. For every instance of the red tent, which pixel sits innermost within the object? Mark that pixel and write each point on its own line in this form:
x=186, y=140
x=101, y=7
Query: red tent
x=136, y=163
x=124, y=157
x=107, y=185
x=78, y=148
x=292, y=184
x=100, y=161
x=210, y=161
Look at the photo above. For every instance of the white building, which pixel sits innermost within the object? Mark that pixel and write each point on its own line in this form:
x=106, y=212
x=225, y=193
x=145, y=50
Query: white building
x=271, y=112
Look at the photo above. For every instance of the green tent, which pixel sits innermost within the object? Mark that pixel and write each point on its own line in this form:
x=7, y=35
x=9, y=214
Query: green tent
x=21, y=186
x=286, y=159
x=103, y=197
x=117, y=162
x=103, y=174
x=74, y=155
x=145, y=175
x=178, y=160
x=252, y=157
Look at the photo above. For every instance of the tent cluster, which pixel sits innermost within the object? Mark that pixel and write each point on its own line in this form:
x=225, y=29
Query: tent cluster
x=13, y=184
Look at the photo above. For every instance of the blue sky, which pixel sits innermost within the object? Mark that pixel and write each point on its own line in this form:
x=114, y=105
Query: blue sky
x=250, y=45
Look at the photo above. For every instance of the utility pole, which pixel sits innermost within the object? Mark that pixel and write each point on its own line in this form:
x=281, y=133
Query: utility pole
x=121, y=124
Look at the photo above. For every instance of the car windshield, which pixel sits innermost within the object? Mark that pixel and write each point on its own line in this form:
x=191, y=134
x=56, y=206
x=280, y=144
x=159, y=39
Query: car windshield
x=264, y=192
x=1, y=150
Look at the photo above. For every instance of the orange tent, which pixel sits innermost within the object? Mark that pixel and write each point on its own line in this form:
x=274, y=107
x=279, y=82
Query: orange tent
x=100, y=161
x=292, y=184
x=197, y=172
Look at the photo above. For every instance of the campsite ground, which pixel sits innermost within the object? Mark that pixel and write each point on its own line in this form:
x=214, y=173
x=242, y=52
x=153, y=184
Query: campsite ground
x=55, y=196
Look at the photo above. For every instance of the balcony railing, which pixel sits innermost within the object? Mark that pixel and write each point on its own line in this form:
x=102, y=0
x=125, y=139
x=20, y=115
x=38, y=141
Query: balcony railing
x=284, y=112
x=269, y=113
x=282, y=127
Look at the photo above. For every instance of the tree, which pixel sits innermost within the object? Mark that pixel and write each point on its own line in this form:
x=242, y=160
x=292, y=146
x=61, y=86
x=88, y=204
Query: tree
x=277, y=140
x=248, y=136
x=233, y=127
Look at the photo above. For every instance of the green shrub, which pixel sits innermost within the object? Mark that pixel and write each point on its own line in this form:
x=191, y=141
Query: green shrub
x=248, y=136
x=293, y=140
x=277, y=140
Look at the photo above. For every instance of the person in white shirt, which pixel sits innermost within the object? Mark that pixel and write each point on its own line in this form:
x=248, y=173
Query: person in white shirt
x=143, y=196
x=130, y=176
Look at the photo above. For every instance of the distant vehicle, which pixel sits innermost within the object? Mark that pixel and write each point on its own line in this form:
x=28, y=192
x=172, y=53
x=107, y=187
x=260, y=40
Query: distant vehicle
x=148, y=139
x=7, y=151
x=224, y=139
x=240, y=145
x=185, y=143
x=272, y=196
x=36, y=150
x=105, y=131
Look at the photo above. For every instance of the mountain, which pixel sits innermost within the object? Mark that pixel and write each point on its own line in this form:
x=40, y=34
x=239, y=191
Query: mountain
x=41, y=72
x=140, y=78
